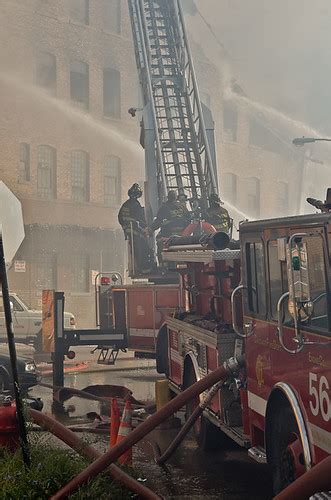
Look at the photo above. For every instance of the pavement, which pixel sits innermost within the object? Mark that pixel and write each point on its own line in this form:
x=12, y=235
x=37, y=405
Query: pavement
x=86, y=361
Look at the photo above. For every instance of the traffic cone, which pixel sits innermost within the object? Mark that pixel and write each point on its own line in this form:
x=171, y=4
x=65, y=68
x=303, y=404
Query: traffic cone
x=114, y=421
x=124, y=430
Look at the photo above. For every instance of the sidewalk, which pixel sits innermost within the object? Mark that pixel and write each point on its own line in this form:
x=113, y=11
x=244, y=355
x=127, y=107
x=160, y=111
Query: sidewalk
x=87, y=363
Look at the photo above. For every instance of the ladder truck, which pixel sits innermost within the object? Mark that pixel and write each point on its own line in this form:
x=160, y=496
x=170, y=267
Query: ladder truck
x=267, y=300
x=178, y=138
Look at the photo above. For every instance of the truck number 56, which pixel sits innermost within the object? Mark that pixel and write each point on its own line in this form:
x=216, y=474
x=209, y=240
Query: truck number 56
x=319, y=396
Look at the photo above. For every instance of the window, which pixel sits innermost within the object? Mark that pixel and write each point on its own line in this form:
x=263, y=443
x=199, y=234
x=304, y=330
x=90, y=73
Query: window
x=16, y=305
x=229, y=189
x=253, y=196
x=46, y=177
x=112, y=15
x=256, y=287
x=111, y=93
x=46, y=71
x=264, y=138
x=230, y=121
x=112, y=180
x=277, y=277
x=282, y=198
x=24, y=165
x=80, y=176
x=46, y=271
x=80, y=273
x=79, y=83
x=79, y=11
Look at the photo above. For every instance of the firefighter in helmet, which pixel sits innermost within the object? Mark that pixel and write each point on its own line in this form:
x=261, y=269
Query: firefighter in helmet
x=216, y=215
x=131, y=217
x=172, y=218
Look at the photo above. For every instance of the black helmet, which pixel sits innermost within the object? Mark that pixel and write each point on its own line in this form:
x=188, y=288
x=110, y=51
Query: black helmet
x=214, y=198
x=135, y=191
x=172, y=195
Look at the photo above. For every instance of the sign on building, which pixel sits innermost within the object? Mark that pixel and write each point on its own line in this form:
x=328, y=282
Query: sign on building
x=19, y=266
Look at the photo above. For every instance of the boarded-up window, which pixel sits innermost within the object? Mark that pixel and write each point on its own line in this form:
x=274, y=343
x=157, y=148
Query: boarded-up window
x=46, y=271
x=80, y=273
x=46, y=71
x=79, y=11
x=112, y=180
x=46, y=177
x=80, y=176
x=111, y=93
x=79, y=83
x=112, y=15
x=24, y=164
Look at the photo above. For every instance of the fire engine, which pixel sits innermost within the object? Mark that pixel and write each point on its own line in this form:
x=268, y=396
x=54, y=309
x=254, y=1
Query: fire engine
x=266, y=298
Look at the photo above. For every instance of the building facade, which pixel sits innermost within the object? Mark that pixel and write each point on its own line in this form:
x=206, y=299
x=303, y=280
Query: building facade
x=69, y=149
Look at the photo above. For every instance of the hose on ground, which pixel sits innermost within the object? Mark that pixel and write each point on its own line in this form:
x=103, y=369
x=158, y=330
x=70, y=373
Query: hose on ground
x=229, y=367
x=316, y=480
x=161, y=459
x=68, y=437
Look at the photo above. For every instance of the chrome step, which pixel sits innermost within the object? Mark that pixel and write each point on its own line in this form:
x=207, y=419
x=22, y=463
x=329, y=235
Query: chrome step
x=258, y=454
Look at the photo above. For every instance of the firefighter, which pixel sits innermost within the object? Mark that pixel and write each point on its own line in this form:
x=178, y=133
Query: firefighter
x=216, y=215
x=132, y=219
x=172, y=218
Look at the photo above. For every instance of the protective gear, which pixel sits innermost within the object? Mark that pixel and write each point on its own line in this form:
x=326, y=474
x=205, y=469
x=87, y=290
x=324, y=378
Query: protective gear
x=132, y=219
x=172, y=218
x=135, y=191
x=216, y=215
x=172, y=196
x=214, y=198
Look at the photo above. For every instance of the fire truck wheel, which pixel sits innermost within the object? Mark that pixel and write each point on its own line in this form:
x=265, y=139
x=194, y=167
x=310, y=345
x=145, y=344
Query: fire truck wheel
x=207, y=435
x=287, y=461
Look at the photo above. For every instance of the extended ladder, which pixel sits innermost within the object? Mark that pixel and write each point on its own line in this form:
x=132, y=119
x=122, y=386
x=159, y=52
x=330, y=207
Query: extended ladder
x=175, y=139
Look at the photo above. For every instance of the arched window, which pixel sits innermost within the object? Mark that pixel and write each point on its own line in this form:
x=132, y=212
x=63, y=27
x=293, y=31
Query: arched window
x=80, y=176
x=24, y=164
x=112, y=180
x=46, y=176
x=46, y=71
x=79, y=83
x=229, y=187
x=253, y=196
x=112, y=15
x=230, y=121
x=79, y=11
x=111, y=93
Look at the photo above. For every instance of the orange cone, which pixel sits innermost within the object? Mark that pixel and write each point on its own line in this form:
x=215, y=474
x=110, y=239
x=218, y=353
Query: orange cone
x=114, y=421
x=124, y=430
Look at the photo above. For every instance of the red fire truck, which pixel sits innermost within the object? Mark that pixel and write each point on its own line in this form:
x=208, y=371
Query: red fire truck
x=270, y=301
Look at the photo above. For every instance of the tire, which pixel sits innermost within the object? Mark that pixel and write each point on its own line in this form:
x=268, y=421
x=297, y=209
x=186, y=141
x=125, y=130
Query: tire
x=38, y=342
x=286, y=455
x=208, y=436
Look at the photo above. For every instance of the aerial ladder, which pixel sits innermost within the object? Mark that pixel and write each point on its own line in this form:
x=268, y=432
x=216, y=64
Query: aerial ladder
x=176, y=128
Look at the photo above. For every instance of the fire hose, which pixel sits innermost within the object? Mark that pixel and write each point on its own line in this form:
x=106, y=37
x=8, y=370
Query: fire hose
x=229, y=367
x=316, y=480
x=161, y=459
x=68, y=437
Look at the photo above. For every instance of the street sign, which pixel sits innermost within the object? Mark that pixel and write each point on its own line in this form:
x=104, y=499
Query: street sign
x=11, y=222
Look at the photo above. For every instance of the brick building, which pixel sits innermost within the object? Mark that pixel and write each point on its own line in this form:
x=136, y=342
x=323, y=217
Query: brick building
x=69, y=149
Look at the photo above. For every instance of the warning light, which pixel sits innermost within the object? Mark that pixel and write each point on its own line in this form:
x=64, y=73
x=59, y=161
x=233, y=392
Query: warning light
x=105, y=280
x=71, y=354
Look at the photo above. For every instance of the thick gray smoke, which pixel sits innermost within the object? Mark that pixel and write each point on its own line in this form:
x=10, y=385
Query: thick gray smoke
x=279, y=51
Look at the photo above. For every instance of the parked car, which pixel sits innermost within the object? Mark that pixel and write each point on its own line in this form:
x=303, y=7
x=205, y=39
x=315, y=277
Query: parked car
x=27, y=322
x=28, y=373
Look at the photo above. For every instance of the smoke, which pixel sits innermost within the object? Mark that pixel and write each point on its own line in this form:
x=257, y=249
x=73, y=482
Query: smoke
x=278, y=51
